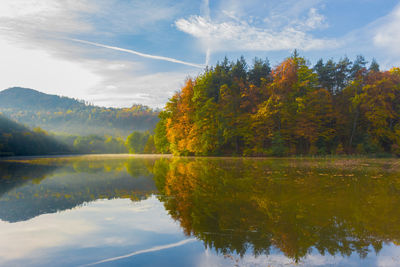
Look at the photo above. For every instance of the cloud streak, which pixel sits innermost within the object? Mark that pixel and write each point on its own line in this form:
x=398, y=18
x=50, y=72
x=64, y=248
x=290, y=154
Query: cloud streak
x=173, y=60
x=37, y=52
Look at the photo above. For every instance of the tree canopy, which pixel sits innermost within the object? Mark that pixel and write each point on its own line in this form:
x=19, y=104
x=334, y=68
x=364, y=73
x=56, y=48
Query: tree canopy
x=293, y=108
x=16, y=139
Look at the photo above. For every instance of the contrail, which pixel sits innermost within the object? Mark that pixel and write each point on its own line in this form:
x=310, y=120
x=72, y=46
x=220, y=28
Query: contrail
x=206, y=14
x=157, y=248
x=140, y=54
x=208, y=54
x=206, y=9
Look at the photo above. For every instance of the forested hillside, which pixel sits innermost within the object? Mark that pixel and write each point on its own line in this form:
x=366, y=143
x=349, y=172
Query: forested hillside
x=339, y=107
x=70, y=116
x=19, y=140
x=16, y=139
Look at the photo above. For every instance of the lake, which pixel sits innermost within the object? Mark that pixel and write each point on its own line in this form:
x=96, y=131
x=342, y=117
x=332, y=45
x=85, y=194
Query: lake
x=164, y=211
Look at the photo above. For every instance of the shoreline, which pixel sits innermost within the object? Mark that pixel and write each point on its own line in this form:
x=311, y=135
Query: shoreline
x=93, y=156
x=121, y=156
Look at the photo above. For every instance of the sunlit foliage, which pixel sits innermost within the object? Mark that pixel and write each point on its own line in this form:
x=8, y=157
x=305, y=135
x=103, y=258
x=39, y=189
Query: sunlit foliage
x=332, y=108
x=140, y=142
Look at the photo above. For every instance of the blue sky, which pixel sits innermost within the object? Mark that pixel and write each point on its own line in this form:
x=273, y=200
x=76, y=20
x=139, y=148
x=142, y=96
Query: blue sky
x=120, y=52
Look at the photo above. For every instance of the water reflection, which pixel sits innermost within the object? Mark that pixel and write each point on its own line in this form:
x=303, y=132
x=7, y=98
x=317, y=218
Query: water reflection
x=39, y=186
x=235, y=208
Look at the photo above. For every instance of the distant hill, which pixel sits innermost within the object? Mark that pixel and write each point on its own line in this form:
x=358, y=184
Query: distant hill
x=24, y=98
x=16, y=139
x=71, y=116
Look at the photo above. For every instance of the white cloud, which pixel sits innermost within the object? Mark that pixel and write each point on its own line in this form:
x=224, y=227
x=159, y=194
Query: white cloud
x=36, y=51
x=239, y=26
x=240, y=35
x=34, y=68
x=379, y=39
x=124, y=88
x=314, y=20
x=387, y=34
x=104, y=17
x=28, y=17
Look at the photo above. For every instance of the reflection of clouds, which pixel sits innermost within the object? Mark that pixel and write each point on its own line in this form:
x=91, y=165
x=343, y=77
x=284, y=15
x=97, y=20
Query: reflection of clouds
x=152, y=218
x=23, y=239
x=84, y=227
x=210, y=259
x=388, y=257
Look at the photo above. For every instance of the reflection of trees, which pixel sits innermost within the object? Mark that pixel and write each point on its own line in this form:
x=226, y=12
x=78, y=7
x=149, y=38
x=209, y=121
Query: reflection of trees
x=235, y=205
x=14, y=174
x=45, y=186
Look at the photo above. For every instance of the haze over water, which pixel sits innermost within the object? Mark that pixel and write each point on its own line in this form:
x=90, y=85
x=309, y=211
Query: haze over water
x=162, y=211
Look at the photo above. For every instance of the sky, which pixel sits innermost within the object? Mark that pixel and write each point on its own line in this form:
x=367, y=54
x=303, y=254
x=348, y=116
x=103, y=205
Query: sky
x=116, y=53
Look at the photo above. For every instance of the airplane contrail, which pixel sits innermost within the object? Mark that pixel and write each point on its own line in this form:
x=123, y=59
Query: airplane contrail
x=139, y=53
x=208, y=54
x=206, y=11
x=157, y=248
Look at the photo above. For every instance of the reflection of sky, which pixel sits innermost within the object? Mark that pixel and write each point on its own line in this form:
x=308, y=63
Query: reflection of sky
x=116, y=225
x=121, y=232
x=389, y=256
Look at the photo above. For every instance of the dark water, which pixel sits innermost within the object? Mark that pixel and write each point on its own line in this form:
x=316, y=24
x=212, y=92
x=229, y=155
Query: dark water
x=151, y=211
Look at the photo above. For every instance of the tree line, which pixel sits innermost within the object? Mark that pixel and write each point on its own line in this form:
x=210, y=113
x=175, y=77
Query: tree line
x=136, y=143
x=16, y=139
x=95, y=120
x=341, y=107
x=19, y=140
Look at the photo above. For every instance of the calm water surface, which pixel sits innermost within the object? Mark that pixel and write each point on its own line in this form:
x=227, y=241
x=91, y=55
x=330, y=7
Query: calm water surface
x=154, y=211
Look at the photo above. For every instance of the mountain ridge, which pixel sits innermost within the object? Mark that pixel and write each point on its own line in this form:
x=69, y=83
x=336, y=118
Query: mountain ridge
x=30, y=98
x=67, y=115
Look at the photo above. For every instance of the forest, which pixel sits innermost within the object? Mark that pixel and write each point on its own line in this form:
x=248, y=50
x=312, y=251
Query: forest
x=138, y=142
x=19, y=140
x=35, y=123
x=68, y=116
x=331, y=108
x=16, y=139
x=341, y=107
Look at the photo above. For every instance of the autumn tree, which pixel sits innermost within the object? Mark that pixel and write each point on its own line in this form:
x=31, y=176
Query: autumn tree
x=237, y=109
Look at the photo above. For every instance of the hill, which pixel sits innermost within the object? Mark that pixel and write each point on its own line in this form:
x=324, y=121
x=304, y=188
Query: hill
x=71, y=116
x=16, y=139
x=25, y=98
